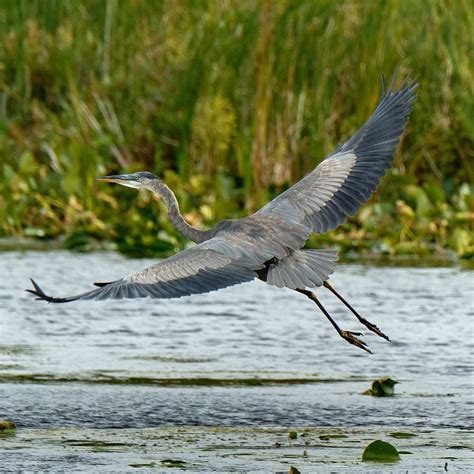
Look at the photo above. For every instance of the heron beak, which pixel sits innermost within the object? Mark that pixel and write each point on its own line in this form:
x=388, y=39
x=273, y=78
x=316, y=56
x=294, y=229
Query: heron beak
x=115, y=178
x=127, y=180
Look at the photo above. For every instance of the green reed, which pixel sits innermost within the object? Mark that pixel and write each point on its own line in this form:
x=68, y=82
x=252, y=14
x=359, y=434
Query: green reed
x=231, y=101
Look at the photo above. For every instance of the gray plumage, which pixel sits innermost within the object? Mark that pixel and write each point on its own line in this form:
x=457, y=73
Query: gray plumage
x=348, y=177
x=267, y=244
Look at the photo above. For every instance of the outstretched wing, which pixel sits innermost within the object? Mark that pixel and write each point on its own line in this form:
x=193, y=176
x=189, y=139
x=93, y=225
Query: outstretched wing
x=199, y=269
x=341, y=183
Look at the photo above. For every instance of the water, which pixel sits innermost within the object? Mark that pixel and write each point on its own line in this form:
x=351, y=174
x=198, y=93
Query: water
x=250, y=355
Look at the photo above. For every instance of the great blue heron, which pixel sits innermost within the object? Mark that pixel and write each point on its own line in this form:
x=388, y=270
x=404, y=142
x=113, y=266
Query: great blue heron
x=268, y=244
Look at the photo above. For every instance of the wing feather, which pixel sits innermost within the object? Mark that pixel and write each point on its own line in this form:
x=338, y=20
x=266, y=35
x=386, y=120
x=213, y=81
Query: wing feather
x=345, y=180
x=199, y=269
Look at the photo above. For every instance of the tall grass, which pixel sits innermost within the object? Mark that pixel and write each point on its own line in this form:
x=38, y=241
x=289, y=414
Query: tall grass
x=230, y=100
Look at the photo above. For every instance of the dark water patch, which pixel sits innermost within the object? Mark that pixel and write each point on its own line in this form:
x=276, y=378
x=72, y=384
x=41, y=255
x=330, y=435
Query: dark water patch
x=179, y=360
x=164, y=382
x=16, y=349
x=11, y=367
x=142, y=406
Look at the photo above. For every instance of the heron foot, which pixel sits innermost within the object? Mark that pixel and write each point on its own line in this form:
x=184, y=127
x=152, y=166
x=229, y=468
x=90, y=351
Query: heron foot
x=372, y=327
x=351, y=338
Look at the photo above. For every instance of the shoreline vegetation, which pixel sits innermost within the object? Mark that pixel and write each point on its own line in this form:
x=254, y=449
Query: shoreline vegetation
x=373, y=257
x=230, y=103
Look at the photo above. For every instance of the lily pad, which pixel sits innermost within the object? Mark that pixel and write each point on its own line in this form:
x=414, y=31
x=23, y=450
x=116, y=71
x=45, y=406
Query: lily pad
x=292, y=435
x=383, y=387
x=380, y=451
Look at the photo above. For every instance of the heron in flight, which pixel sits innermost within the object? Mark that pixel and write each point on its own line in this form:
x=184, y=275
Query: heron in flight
x=268, y=244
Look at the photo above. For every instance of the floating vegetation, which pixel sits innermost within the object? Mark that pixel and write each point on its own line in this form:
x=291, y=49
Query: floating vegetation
x=196, y=381
x=402, y=435
x=230, y=106
x=384, y=387
x=7, y=425
x=97, y=446
x=293, y=435
x=227, y=449
x=173, y=463
x=327, y=437
x=380, y=451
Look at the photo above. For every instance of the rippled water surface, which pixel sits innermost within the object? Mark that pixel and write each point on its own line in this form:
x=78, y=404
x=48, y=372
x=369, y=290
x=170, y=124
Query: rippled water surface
x=247, y=355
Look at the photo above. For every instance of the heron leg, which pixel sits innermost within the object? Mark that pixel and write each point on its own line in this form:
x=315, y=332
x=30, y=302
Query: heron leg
x=349, y=336
x=372, y=327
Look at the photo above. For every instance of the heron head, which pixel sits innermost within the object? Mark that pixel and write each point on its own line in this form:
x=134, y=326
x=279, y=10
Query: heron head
x=139, y=180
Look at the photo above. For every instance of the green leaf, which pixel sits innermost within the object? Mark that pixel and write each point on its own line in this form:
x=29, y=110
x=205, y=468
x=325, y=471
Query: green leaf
x=34, y=232
x=292, y=435
x=27, y=164
x=435, y=192
x=418, y=197
x=380, y=451
x=460, y=241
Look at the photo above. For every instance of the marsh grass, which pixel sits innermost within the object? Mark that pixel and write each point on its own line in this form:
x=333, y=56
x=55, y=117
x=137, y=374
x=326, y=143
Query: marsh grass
x=231, y=102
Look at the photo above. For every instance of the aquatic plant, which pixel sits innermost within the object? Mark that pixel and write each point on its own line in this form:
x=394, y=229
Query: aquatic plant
x=380, y=451
x=231, y=102
x=384, y=387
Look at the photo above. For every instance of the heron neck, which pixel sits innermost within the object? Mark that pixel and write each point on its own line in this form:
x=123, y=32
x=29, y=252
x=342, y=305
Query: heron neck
x=175, y=216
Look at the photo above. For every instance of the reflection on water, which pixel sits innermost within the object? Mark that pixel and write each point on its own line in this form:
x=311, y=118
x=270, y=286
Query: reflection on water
x=250, y=354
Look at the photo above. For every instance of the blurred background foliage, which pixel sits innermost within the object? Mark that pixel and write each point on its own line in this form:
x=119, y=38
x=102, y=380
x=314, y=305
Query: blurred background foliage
x=231, y=102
